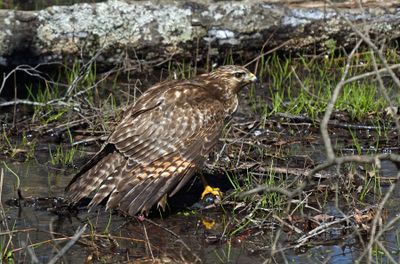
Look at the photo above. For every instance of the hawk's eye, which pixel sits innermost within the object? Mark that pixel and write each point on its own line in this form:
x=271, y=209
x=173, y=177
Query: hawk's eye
x=239, y=75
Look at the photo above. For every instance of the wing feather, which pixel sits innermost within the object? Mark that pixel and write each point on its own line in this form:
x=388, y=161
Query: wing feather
x=159, y=145
x=90, y=180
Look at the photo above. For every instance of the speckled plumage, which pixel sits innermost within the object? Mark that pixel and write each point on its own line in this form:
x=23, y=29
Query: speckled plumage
x=160, y=141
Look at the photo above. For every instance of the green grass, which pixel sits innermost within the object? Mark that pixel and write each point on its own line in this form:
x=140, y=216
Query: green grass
x=180, y=70
x=298, y=86
x=361, y=100
x=49, y=110
x=224, y=254
x=372, y=184
x=303, y=86
x=62, y=155
x=356, y=142
x=18, y=181
x=371, y=173
x=261, y=206
x=14, y=146
x=46, y=112
x=6, y=247
x=54, y=108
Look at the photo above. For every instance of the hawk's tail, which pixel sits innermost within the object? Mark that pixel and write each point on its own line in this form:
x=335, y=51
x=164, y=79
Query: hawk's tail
x=93, y=173
x=144, y=186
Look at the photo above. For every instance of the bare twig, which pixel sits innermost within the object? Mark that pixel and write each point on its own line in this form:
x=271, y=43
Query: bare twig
x=375, y=159
x=319, y=230
x=31, y=253
x=367, y=40
x=147, y=241
x=378, y=216
x=273, y=189
x=79, y=232
x=370, y=74
x=20, y=101
x=267, y=52
x=197, y=258
x=32, y=71
x=384, y=92
x=331, y=104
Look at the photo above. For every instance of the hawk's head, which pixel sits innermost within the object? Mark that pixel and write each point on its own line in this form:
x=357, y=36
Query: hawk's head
x=232, y=78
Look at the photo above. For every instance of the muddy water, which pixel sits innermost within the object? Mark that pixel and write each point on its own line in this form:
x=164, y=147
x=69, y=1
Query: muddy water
x=181, y=236
x=192, y=239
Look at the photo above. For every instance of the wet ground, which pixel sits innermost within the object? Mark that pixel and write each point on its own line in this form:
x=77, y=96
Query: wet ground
x=275, y=150
x=181, y=236
x=40, y=220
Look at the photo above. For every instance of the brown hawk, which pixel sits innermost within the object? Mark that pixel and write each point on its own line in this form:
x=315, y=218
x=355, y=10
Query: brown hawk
x=161, y=140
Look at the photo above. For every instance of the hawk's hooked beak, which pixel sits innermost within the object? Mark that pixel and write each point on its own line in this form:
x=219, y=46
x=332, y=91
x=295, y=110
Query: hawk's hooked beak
x=250, y=78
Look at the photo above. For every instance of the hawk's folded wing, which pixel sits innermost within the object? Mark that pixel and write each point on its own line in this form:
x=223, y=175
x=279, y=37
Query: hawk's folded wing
x=154, y=150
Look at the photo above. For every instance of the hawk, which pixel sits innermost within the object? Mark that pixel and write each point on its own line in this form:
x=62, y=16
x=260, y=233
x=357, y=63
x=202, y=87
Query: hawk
x=160, y=142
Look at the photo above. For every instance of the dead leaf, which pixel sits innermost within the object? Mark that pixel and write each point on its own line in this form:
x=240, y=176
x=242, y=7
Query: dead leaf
x=323, y=218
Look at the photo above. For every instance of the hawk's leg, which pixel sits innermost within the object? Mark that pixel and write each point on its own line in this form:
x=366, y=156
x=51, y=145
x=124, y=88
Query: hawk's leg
x=210, y=194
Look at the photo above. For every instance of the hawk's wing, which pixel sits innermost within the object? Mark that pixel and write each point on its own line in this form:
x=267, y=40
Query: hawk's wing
x=154, y=150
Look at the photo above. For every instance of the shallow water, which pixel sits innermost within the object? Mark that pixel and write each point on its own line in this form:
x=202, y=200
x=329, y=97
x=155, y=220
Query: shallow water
x=184, y=235
x=131, y=241
x=37, y=181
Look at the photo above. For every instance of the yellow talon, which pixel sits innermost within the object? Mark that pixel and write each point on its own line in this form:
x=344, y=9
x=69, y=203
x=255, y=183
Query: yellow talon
x=208, y=223
x=210, y=190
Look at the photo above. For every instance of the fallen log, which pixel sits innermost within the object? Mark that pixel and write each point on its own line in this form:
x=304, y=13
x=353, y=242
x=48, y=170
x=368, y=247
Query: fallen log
x=199, y=30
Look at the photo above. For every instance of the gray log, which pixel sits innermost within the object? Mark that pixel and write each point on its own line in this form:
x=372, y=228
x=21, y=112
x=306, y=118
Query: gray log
x=157, y=30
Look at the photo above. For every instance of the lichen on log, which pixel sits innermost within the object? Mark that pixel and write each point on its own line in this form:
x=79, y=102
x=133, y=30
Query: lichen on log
x=158, y=30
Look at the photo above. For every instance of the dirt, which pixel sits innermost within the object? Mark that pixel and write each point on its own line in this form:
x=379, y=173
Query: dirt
x=278, y=151
x=182, y=235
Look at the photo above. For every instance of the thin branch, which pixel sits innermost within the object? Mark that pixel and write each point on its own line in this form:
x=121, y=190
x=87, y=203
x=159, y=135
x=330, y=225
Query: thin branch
x=70, y=243
x=369, y=43
x=283, y=191
x=370, y=74
x=395, y=158
x=331, y=105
